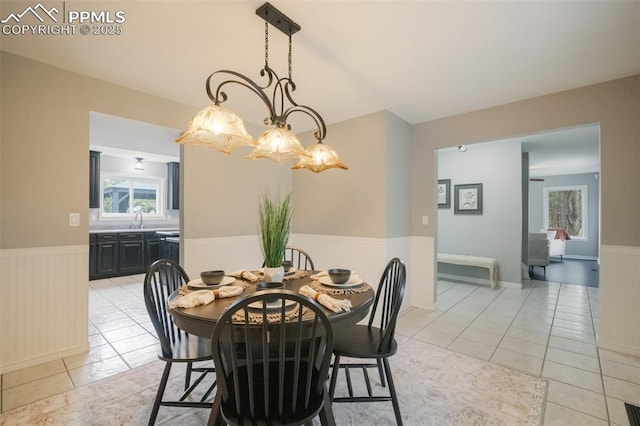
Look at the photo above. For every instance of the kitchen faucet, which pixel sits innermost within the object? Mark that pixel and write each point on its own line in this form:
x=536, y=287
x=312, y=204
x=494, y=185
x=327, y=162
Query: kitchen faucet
x=139, y=226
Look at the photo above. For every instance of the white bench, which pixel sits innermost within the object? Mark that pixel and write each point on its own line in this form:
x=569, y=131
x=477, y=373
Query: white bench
x=482, y=262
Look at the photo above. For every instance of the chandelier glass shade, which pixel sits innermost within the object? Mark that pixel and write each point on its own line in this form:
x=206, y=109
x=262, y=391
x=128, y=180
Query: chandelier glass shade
x=218, y=128
x=278, y=144
x=221, y=129
x=321, y=157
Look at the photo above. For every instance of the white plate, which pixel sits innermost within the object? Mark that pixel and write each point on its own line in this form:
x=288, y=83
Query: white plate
x=272, y=305
x=354, y=281
x=197, y=283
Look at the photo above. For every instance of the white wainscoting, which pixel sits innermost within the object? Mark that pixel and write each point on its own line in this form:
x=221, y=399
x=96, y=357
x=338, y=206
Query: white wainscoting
x=422, y=272
x=43, y=310
x=367, y=256
x=619, y=322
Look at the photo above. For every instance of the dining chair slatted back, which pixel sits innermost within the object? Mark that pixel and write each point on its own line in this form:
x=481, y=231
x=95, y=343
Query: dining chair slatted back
x=376, y=340
x=391, y=291
x=299, y=259
x=272, y=352
x=163, y=277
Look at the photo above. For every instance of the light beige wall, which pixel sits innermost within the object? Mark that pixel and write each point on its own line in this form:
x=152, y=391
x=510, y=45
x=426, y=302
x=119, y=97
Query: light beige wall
x=397, y=176
x=615, y=105
x=45, y=139
x=347, y=203
x=220, y=192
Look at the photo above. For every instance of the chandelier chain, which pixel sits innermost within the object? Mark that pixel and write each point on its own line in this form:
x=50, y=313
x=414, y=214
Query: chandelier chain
x=290, y=57
x=266, y=44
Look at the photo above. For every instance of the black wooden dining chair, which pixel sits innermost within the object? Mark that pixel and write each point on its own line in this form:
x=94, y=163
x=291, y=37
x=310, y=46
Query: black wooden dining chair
x=371, y=342
x=271, y=363
x=163, y=278
x=299, y=259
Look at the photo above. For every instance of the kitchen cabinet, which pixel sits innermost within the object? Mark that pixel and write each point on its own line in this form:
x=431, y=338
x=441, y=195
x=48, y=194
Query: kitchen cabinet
x=93, y=256
x=131, y=258
x=170, y=248
x=173, y=250
x=107, y=255
x=94, y=179
x=151, y=247
x=113, y=254
x=173, y=187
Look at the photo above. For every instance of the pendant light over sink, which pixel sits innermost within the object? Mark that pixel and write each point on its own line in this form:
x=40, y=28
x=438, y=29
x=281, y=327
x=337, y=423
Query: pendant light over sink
x=221, y=129
x=139, y=165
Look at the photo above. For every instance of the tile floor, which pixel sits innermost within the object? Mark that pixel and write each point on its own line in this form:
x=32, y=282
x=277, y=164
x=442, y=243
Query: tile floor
x=544, y=329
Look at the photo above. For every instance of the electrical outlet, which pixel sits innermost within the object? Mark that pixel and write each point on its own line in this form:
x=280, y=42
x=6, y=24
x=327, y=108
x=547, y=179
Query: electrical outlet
x=74, y=219
x=425, y=220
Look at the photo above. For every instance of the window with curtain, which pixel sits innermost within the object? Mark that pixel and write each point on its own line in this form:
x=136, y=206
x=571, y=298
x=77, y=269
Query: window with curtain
x=566, y=208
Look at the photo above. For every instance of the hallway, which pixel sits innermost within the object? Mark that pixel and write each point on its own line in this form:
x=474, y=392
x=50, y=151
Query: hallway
x=570, y=271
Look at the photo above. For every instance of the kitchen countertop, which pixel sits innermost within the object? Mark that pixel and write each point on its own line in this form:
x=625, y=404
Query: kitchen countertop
x=117, y=230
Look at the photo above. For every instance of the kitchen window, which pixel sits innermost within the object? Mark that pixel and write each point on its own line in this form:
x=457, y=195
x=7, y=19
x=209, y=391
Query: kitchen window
x=123, y=196
x=566, y=207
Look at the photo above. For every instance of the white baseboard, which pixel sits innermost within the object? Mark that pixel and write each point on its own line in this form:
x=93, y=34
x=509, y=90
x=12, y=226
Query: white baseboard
x=619, y=348
x=52, y=356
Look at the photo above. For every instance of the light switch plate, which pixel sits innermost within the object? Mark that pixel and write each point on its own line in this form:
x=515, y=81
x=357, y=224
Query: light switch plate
x=74, y=219
x=425, y=220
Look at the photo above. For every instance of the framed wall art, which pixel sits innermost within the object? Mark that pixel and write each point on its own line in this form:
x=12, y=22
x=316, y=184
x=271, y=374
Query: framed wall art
x=468, y=199
x=444, y=193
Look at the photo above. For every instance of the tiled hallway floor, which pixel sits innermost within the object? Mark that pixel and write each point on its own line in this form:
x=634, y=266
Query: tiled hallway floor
x=544, y=329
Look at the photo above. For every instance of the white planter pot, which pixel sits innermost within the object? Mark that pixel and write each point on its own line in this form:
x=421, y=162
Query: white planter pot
x=274, y=275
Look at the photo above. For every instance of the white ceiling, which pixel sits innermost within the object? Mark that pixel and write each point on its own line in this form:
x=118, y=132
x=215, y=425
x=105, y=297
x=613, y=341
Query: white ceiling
x=421, y=60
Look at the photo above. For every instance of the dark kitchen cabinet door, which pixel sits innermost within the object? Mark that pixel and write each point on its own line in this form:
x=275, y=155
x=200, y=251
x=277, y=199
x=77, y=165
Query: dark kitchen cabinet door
x=173, y=187
x=94, y=179
x=131, y=253
x=174, y=251
x=152, y=248
x=93, y=257
x=107, y=264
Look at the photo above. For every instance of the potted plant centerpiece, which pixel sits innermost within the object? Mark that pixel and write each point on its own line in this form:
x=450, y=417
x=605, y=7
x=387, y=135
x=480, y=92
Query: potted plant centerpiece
x=275, y=218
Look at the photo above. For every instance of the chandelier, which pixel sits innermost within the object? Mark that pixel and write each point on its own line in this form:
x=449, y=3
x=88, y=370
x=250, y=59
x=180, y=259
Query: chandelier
x=221, y=129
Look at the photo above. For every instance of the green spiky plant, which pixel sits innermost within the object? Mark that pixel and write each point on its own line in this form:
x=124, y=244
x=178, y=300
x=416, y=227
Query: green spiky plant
x=275, y=219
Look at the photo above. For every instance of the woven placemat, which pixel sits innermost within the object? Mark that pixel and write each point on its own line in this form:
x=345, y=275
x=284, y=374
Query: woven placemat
x=290, y=314
x=319, y=287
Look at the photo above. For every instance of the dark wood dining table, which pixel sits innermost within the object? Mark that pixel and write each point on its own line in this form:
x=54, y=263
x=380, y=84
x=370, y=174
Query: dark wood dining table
x=201, y=320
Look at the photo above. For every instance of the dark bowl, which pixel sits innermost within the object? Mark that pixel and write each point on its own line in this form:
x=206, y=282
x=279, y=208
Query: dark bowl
x=212, y=277
x=286, y=264
x=339, y=276
x=268, y=286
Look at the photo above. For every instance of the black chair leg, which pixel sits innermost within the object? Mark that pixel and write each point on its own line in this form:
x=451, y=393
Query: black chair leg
x=326, y=414
x=160, y=393
x=187, y=376
x=334, y=376
x=392, y=391
x=382, y=382
x=215, y=418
